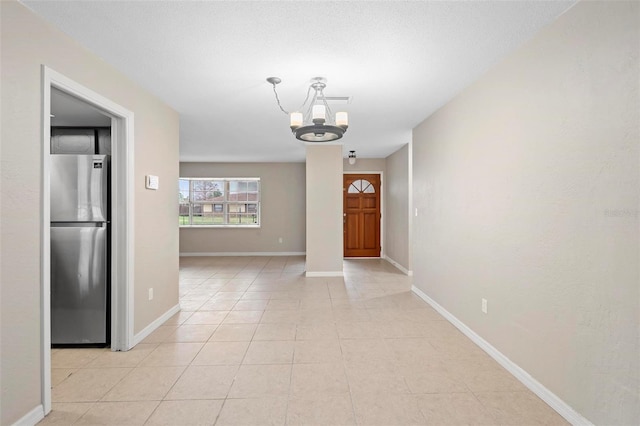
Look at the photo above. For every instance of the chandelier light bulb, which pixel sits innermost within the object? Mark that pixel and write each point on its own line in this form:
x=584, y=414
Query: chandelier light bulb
x=319, y=113
x=296, y=120
x=342, y=119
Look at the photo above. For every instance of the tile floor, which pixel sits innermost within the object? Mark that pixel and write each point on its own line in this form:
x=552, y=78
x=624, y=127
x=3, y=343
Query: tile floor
x=257, y=343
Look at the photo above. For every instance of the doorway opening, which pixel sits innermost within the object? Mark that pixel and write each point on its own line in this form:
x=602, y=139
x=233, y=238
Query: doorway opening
x=362, y=214
x=121, y=122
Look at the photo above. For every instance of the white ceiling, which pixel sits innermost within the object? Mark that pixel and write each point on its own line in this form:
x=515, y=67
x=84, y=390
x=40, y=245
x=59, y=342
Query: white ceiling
x=400, y=61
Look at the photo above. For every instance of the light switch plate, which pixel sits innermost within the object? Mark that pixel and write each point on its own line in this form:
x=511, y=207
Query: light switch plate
x=152, y=182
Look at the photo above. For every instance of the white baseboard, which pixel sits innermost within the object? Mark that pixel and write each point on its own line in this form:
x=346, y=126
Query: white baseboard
x=571, y=415
x=311, y=274
x=244, y=253
x=32, y=417
x=155, y=324
x=399, y=266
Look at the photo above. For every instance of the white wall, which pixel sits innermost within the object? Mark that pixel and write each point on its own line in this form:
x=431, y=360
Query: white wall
x=282, y=211
x=527, y=185
x=396, y=218
x=324, y=210
x=27, y=42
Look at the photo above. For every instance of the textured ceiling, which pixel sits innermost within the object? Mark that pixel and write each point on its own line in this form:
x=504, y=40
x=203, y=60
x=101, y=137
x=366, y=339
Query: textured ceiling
x=400, y=61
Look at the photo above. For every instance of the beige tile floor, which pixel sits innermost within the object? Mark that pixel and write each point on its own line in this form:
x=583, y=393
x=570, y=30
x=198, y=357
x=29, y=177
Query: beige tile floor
x=257, y=343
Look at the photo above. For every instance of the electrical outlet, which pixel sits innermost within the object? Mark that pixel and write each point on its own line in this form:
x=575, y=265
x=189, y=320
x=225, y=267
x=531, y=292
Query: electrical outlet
x=151, y=294
x=280, y=240
x=484, y=306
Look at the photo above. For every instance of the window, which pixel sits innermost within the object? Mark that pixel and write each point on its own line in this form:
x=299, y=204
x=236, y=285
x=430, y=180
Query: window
x=361, y=186
x=219, y=202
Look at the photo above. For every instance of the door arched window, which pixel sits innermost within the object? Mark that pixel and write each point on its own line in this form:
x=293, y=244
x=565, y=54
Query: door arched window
x=361, y=186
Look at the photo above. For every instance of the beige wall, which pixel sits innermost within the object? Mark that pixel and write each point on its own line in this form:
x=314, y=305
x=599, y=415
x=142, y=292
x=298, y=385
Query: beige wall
x=156, y=232
x=282, y=211
x=527, y=185
x=396, y=218
x=26, y=44
x=365, y=165
x=324, y=209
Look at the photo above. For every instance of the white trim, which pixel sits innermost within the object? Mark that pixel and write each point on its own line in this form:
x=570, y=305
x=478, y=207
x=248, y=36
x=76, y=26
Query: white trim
x=410, y=204
x=155, y=324
x=398, y=266
x=536, y=387
x=122, y=265
x=45, y=248
x=246, y=253
x=32, y=417
x=122, y=218
x=324, y=274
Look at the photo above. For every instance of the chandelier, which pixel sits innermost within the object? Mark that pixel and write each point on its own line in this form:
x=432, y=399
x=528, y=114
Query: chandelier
x=317, y=123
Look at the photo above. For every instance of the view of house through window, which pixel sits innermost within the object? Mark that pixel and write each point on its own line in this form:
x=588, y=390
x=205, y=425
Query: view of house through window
x=219, y=202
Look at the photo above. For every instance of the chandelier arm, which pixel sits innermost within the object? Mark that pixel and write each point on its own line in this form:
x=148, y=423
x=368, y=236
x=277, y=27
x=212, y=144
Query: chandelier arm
x=275, y=92
x=305, y=99
x=308, y=115
x=330, y=116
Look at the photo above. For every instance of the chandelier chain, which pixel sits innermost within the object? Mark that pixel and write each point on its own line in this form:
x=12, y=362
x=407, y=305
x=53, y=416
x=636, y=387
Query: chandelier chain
x=275, y=92
x=305, y=99
x=278, y=99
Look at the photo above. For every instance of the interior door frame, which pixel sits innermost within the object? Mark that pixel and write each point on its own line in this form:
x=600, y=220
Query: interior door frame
x=382, y=211
x=122, y=231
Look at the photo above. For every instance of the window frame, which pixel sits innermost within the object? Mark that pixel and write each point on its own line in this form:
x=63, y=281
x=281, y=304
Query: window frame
x=226, y=203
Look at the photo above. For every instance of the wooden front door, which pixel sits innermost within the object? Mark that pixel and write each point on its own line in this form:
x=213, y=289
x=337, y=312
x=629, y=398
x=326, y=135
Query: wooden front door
x=361, y=215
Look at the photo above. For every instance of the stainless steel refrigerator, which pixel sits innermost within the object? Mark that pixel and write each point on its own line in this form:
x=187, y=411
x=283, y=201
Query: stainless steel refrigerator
x=79, y=249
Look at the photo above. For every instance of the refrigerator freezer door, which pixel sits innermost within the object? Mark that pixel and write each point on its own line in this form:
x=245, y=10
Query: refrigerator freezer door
x=78, y=284
x=73, y=141
x=79, y=188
